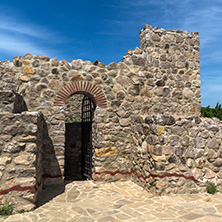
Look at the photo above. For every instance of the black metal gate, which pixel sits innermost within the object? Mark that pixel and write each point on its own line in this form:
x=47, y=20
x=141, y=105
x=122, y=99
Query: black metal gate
x=87, y=112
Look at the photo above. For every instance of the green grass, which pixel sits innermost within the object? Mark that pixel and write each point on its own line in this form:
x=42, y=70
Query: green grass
x=6, y=209
x=211, y=188
x=72, y=120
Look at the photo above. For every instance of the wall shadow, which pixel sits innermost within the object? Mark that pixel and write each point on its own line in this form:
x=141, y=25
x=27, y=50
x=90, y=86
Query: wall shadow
x=52, y=181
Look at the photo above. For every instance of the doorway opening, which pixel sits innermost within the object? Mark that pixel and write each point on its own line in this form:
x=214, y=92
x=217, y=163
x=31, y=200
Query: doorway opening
x=78, y=137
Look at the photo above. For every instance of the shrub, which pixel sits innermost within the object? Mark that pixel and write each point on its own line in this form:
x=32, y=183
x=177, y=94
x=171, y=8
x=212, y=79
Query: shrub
x=70, y=119
x=211, y=188
x=212, y=112
x=6, y=209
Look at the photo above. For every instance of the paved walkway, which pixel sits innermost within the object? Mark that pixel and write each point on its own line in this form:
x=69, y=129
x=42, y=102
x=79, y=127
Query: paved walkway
x=123, y=201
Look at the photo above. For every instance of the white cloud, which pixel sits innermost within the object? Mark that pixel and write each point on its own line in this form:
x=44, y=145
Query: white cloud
x=8, y=24
x=18, y=46
x=18, y=37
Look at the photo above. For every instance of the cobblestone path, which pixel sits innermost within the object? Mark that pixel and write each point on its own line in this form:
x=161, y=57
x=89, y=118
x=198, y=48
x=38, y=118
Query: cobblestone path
x=122, y=201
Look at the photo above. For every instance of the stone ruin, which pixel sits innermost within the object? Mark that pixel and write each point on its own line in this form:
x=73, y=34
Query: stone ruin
x=146, y=124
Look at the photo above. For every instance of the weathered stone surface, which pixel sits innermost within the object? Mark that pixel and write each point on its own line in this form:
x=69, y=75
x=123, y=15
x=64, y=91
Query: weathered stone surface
x=102, y=65
x=76, y=78
x=11, y=148
x=27, y=139
x=25, y=182
x=166, y=91
x=212, y=144
x=209, y=174
x=76, y=64
x=159, y=158
x=179, y=151
x=164, y=120
x=54, y=62
x=199, y=163
x=5, y=160
x=112, y=65
x=138, y=51
x=160, y=83
x=185, y=141
x=24, y=172
x=139, y=61
x=17, y=61
x=54, y=84
x=155, y=37
x=190, y=153
x=211, y=154
x=218, y=162
x=108, y=151
x=199, y=142
x=144, y=147
x=28, y=70
x=31, y=147
x=190, y=163
x=59, y=139
x=125, y=122
x=44, y=57
x=24, y=159
x=173, y=140
x=43, y=72
x=48, y=93
x=24, y=78
x=188, y=93
x=213, y=128
x=35, y=63
x=162, y=184
x=160, y=129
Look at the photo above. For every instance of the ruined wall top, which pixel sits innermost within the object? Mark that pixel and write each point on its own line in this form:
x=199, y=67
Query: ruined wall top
x=163, y=73
x=149, y=36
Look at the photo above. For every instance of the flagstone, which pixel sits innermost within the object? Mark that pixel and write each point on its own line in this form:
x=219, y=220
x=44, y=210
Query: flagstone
x=90, y=201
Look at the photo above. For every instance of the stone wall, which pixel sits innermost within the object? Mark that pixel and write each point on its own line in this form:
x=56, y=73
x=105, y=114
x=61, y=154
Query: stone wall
x=177, y=154
x=8, y=78
x=172, y=63
x=73, y=112
x=7, y=99
x=21, y=167
x=162, y=76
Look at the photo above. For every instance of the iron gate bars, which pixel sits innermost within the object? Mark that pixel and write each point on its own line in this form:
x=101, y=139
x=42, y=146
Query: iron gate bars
x=87, y=113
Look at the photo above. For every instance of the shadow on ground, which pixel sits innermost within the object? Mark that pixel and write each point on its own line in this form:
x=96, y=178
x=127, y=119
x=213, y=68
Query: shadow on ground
x=51, y=192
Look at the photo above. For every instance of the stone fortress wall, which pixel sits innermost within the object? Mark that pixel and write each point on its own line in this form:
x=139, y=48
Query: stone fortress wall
x=148, y=106
x=177, y=154
x=21, y=158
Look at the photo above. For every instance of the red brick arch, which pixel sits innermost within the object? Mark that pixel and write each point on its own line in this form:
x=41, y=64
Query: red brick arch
x=81, y=87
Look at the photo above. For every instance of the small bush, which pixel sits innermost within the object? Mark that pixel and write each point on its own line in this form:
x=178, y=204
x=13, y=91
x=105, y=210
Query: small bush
x=212, y=112
x=21, y=211
x=6, y=209
x=70, y=119
x=211, y=188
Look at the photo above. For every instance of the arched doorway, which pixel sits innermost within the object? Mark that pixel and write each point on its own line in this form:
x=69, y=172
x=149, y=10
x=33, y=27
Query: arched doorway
x=97, y=98
x=78, y=135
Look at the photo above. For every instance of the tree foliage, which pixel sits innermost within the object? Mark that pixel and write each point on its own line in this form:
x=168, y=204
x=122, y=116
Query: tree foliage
x=212, y=112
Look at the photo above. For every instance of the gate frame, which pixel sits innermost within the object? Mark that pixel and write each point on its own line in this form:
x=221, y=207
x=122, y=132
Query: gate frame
x=87, y=114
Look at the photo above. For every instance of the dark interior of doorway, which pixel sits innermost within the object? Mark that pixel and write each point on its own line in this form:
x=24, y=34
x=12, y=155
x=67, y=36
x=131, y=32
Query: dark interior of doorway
x=78, y=145
x=73, y=151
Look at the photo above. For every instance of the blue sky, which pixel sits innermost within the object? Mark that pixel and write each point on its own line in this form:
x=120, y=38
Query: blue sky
x=107, y=29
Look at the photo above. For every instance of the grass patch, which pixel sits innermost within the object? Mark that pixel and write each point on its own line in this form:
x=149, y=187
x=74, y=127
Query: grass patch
x=211, y=188
x=6, y=209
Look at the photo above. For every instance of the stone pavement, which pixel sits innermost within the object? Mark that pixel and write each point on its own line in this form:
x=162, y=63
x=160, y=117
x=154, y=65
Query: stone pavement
x=122, y=201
